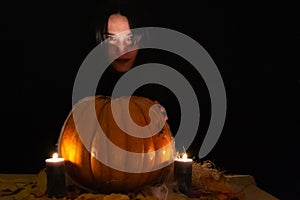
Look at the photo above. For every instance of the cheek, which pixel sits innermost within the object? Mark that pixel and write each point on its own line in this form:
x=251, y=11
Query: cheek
x=112, y=51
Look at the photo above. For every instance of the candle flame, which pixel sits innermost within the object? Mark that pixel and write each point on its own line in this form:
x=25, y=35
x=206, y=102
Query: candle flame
x=55, y=156
x=184, y=156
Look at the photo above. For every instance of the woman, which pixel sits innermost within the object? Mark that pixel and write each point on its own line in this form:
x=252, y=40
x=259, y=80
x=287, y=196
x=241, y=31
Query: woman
x=115, y=29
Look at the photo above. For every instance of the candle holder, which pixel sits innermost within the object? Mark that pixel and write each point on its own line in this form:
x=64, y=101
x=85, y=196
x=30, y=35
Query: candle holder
x=183, y=174
x=56, y=181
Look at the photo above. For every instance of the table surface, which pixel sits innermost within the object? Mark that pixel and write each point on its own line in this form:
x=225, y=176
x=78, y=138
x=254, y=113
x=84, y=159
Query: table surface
x=245, y=183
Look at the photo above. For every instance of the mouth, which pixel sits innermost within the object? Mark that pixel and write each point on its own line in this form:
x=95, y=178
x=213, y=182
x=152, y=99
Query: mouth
x=122, y=60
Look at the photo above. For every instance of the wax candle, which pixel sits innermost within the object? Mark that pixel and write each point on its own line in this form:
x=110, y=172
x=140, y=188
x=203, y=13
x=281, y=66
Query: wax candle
x=183, y=173
x=56, y=182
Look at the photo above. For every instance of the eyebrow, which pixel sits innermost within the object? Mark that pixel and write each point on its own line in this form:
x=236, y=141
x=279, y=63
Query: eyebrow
x=109, y=33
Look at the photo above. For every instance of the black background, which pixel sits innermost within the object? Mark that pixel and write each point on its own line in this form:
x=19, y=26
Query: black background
x=255, y=49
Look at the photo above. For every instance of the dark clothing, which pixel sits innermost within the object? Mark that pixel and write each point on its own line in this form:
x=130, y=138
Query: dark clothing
x=152, y=91
x=165, y=96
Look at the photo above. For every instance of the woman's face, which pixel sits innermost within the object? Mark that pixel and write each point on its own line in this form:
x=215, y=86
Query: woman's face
x=119, y=38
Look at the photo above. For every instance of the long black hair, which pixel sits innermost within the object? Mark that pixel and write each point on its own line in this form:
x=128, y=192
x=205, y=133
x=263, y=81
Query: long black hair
x=133, y=10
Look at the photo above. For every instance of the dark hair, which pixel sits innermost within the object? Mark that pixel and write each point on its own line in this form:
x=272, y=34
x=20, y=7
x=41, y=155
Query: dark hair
x=131, y=9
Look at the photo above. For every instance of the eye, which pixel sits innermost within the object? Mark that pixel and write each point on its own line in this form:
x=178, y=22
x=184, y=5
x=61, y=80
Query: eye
x=129, y=39
x=111, y=38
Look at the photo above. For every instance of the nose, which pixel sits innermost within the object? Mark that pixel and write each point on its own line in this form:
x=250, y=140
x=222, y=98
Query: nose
x=122, y=46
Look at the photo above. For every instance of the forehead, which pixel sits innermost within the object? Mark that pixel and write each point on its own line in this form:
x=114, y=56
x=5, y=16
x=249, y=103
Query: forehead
x=117, y=23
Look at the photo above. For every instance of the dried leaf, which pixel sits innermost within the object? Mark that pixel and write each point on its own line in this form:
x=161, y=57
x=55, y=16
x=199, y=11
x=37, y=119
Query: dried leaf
x=42, y=181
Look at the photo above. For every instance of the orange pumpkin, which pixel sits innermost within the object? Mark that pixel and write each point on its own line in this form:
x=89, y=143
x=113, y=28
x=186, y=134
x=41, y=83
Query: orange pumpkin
x=109, y=159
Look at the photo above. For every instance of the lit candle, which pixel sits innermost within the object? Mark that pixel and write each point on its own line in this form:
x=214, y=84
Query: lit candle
x=56, y=184
x=183, y=173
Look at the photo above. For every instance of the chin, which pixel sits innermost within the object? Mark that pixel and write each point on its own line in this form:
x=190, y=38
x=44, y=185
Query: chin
x=122, y=67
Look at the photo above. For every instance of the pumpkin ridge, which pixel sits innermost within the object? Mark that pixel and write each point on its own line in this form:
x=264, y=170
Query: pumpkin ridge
x=118, y=129
x=147, y=118
x=138, y=106
x=87, y=157
x=109, y=174
x=118, y=138
x=94, y=162
x=145, y=141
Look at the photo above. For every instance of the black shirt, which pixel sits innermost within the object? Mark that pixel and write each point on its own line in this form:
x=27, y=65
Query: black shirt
x=164, y=95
